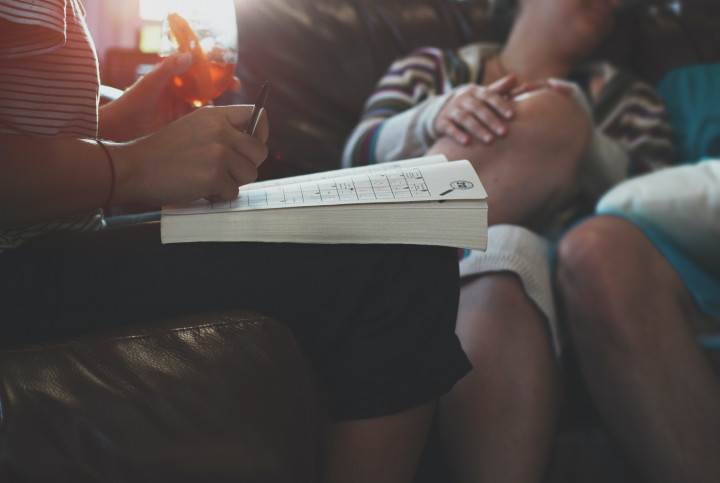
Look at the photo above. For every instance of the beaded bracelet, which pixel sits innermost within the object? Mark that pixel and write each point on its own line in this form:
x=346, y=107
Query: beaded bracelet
x=112, y=171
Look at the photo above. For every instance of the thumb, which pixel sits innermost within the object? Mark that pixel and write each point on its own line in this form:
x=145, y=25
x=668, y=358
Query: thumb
x=174, y=65
x=237, y=115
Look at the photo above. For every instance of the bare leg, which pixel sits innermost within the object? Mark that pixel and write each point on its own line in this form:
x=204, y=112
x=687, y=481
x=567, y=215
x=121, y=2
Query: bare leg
x=629, y=317
x=497, y=423
x=378, y=450
x=531, y=172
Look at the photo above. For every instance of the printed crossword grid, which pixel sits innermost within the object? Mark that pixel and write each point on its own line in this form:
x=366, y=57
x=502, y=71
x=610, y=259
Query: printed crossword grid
x=391, y=184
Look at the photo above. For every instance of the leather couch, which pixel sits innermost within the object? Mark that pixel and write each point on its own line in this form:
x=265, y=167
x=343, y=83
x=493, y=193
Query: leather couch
x=207, y=397
x=228, y=396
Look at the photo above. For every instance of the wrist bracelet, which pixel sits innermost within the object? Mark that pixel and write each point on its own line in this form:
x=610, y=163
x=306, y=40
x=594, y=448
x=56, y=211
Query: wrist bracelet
x=112, y=171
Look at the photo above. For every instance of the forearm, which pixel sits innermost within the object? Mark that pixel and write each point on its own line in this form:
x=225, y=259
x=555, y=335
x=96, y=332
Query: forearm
x=403, y=88
x=119, y=121
x=406, y=134
x=47, y=178
x=409, y=134
x=203, y=155
x=112, y=122
x=358, y=148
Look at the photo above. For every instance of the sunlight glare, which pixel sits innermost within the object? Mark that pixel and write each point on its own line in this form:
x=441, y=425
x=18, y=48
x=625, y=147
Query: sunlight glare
x=154, y=9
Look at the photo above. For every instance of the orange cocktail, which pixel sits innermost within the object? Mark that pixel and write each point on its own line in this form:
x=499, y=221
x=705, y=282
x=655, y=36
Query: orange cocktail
x=186, y=86
x=212, y=43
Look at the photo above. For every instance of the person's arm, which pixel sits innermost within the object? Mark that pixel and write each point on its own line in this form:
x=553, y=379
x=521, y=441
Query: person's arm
x=204, y=154
x=412, y=107
x=47, y=178
x=148, y=104
x=468, y=112
x=406, y=85
x=404, y=135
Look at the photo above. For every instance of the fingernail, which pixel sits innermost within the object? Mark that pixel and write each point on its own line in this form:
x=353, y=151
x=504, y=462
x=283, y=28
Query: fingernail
x=487, y=138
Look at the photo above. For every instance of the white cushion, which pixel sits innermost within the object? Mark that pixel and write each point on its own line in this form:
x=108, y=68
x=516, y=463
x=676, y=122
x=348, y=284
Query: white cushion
x=682, y=203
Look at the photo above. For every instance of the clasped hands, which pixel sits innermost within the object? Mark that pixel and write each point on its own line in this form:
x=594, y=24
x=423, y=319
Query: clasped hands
x=483, y=112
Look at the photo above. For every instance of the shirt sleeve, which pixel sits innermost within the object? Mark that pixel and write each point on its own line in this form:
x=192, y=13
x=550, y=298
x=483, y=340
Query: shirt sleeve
x=398, y=116
x=632, y=134
x=39, y=26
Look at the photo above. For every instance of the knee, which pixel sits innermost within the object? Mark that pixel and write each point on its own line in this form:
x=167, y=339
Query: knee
x=602, y=268
x=586, y=261
x=592, y=294
x=545, y=143
x=609, y=277
x=549, y=130
x=496, y=311
x=555, y=125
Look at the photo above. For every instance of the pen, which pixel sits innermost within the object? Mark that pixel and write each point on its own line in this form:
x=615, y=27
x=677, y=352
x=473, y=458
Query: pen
x=259, y=106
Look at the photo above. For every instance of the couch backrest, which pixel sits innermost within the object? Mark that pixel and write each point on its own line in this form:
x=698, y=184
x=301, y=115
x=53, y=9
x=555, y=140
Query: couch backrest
x=324, y=57
x=655, y=36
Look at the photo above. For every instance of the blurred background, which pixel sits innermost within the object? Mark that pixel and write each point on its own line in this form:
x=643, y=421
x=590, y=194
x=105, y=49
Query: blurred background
x=126, y=36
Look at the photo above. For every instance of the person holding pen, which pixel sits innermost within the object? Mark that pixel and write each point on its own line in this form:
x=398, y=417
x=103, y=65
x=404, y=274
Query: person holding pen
x=62, y=159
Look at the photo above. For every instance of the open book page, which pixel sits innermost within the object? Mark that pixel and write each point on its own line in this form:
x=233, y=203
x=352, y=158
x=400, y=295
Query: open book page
x=421, y=161
x=421, y=179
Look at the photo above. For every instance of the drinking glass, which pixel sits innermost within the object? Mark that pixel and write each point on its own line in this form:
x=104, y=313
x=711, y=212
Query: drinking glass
x=207, y=29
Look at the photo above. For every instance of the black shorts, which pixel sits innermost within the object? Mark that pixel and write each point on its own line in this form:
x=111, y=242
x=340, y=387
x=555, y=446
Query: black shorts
x=376, y=321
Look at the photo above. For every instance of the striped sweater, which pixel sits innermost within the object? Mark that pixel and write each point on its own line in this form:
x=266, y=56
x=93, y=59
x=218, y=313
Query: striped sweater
x=48, y=87
x=398, y=118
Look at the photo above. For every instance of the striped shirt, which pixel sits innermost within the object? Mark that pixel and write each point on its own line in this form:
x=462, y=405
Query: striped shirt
x=48, y=87
x=628, y=111
x=628, y=114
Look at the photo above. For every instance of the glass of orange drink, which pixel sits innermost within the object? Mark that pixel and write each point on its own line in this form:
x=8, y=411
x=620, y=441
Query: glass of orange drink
x=208, y=30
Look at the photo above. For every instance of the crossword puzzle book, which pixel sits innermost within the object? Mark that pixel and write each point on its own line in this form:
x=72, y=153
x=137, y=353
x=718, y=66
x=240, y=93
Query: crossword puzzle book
x=422, y=201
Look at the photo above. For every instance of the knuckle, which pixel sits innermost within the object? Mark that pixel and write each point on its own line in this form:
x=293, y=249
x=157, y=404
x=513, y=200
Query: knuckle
x=460, y=115
x=215, y=151
x=482, y=93
x=469, y=103
x=204, y=112
x=229, y=193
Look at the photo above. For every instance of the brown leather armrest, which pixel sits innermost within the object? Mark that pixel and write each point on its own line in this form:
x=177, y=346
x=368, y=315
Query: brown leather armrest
x=224, y=396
